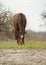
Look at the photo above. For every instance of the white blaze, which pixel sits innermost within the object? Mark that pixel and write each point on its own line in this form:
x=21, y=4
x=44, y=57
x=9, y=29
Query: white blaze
x=21, y=36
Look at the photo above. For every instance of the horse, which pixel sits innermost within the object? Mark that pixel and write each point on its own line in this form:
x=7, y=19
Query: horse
x=19, y=21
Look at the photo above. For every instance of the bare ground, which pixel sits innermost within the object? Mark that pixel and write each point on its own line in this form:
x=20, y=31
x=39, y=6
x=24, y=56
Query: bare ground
x=22, y=57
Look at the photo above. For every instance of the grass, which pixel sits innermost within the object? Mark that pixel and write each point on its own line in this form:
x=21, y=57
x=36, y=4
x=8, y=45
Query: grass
x=29, y=45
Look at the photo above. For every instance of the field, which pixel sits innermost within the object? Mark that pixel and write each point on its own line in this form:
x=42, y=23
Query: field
x=27, y=45
x=30, y=53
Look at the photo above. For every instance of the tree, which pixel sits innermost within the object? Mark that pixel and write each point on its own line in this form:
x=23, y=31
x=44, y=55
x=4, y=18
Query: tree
x=6, y=21
x=43, y=15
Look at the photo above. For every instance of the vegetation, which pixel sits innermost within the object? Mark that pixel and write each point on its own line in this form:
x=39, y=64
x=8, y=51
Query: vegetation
x=29, y=45
x=6, y=21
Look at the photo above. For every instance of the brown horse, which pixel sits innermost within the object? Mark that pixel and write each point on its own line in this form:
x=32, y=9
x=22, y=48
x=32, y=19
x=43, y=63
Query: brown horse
x=19, y=21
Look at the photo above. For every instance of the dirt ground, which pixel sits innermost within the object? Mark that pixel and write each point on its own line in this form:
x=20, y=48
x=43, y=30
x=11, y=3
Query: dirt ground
x=22, y=57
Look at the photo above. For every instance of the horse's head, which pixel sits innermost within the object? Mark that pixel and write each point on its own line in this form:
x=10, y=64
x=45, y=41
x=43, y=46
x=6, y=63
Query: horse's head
x=20, y=39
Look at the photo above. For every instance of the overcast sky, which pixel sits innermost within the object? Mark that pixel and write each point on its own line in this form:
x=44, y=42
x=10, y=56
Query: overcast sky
x=31, y=8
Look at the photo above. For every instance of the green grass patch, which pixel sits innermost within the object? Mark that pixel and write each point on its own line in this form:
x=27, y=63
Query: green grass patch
x=29, y=45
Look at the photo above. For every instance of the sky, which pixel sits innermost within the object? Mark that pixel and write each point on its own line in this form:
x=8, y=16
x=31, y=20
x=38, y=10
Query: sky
x=31, y=8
